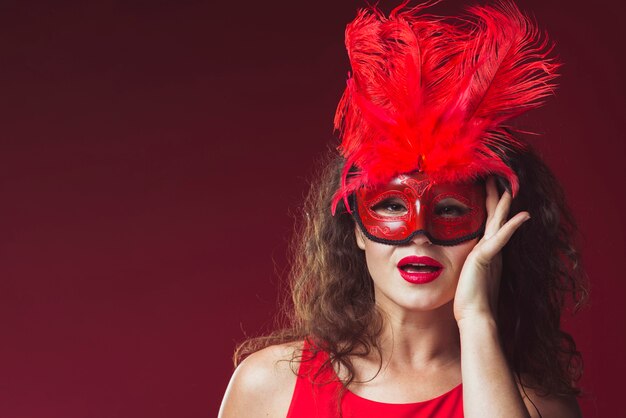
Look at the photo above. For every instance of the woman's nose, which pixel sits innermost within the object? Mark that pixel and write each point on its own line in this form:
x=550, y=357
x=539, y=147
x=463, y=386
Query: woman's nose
x=421, y=239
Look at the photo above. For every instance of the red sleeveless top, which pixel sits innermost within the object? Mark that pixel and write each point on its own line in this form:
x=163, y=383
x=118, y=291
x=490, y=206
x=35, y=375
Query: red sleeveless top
x=319, y=395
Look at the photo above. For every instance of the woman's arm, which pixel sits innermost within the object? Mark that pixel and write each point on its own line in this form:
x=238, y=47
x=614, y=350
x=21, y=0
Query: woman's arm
x=489, y=388
x=262, y=385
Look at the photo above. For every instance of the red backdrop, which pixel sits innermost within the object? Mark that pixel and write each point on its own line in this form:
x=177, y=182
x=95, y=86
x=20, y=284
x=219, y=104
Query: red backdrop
x=151, y=154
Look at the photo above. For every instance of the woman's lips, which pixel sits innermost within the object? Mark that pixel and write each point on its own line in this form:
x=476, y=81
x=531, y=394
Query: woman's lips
x=419, y=269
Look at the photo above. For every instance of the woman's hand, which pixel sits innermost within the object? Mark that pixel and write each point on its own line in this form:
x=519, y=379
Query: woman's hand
x=477, y=291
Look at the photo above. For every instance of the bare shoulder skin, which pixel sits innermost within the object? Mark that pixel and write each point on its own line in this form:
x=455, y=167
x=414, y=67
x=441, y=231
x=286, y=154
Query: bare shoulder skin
x=549, y=406
x=262, y=385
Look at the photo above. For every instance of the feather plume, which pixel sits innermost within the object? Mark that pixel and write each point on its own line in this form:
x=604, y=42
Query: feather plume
x=428, y=93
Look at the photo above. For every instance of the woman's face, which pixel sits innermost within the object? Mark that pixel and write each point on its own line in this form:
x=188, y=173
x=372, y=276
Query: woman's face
x=408, y=229
x=403, y=281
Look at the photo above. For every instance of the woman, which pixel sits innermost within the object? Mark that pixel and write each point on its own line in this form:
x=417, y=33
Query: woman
x=436, y=253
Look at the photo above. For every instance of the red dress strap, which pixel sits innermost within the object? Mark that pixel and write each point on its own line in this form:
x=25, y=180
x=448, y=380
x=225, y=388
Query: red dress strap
x=318, y=390
x=320, y=394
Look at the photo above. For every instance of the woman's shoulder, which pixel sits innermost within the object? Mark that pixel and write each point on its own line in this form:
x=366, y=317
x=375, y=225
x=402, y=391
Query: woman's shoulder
x=269, y=366
x=263, y=384
x=542, y=406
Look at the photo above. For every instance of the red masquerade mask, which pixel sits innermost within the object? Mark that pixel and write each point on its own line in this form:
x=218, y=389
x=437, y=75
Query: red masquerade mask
x=434, y=95
x=412, y=204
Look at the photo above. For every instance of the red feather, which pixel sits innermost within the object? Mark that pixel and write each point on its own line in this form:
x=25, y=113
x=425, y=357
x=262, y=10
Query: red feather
x=430, y=93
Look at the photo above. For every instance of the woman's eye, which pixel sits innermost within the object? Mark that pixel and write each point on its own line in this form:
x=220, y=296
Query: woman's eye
x=450, y=208
x=390, y=207
x=450, y=211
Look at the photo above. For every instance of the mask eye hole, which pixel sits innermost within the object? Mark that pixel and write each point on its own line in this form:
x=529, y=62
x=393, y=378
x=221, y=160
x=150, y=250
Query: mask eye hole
x=451, y=208
x=390, y=207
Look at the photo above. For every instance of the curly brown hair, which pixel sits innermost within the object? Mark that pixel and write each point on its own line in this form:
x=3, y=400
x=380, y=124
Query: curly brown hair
x=332, y=293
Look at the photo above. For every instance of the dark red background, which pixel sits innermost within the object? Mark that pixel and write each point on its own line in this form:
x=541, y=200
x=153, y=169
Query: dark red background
x=151, y=153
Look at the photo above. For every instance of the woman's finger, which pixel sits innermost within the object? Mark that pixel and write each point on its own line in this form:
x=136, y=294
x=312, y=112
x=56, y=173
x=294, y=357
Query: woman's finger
x=493, y=245
x=502, y=210
x=492, y=197
x=497, y=214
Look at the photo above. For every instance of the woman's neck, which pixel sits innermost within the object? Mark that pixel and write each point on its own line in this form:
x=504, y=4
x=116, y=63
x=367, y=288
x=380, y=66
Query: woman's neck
x=419, y=340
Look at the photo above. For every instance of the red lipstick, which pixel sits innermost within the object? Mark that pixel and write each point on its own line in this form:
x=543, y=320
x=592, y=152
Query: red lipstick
x=419, y=269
